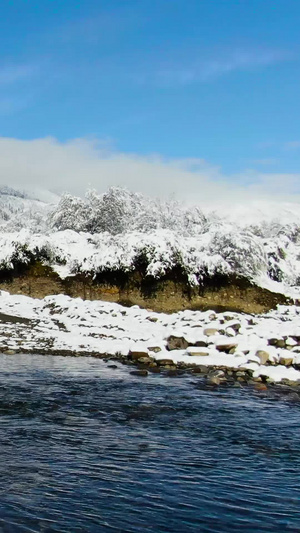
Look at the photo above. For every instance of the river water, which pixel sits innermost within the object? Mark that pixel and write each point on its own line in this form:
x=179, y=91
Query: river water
x=89, y=448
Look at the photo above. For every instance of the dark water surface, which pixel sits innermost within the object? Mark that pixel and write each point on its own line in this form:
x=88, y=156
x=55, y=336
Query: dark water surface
x=87, y=448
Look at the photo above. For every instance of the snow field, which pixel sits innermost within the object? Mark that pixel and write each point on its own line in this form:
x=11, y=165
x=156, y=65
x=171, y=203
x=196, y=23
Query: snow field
x=268, y=345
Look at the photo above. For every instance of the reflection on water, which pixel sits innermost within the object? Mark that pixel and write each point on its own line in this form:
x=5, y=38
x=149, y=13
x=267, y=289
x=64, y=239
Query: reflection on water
x=87, y=448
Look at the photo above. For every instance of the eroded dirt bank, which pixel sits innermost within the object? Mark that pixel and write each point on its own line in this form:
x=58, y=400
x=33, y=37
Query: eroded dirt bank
x=171, y=293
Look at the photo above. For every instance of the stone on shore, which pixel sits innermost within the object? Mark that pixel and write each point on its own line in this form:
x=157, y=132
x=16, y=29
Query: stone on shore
x=263, y=356
x=176, y=343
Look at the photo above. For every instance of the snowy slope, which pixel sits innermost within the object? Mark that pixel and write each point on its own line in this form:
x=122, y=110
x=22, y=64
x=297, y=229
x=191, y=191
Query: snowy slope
x=113, y=231
x=19, y=209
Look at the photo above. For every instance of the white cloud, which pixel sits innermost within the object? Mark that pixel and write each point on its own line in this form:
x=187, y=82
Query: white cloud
x=81, y=163
x=266, y=161
x=242, y=60
x=204, y=70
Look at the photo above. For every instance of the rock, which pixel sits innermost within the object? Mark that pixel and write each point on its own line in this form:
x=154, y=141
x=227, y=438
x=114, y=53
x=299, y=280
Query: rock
x=9, y=352
x=280, y=343
x=141, y=373
x=174, y=373
x=226, y=347
x=263, y=356
x=227, y=316
x=176, y=343
x=136, y=355
x=260, y=386
x=154, y=369
x=145, y=360
x=214, y=381
x=201, y=344
x=216, y=377
x=152, y=318
x=154, y=349
x=290, y=382
x=230, y=332
x=234, y=324
x=165, y=362
x=201, y=351
x=285, y=360
x=200, y=369
x=209, y=332
x=217, y=374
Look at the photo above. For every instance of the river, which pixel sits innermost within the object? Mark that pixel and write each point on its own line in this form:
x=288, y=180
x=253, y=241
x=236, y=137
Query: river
x=90, y=448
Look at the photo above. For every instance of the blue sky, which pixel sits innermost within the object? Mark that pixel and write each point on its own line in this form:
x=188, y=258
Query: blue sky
x=215, y=80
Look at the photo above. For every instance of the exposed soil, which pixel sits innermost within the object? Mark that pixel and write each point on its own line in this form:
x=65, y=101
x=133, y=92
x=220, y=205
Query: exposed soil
x=168, y=294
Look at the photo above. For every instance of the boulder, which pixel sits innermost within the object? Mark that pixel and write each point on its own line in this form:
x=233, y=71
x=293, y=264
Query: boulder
x=233, y=324
x=214, y=380
x=135, y=355
x=216, y=377
x=200, y=343
x=176, y=343
x=152, y=318
x=290, y=382
x=226, y=347
x=199, y=369
x=154, y=369
x=230, y=332
x=286, y=360
x=263, y=356
x=165, y=362
x=209, y=332
x=154, y=349
x=217, y=374
x=198, y=351
x=141, y=373
x=145, y=360
x=280, y=343
x=261, y=386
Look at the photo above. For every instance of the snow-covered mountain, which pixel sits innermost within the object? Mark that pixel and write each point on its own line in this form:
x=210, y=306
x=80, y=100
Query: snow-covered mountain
x=24, y=209
x=119, y=229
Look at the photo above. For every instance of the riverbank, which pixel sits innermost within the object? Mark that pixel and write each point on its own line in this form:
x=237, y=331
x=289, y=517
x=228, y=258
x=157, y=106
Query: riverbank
x=168, y=294
x=226, y=347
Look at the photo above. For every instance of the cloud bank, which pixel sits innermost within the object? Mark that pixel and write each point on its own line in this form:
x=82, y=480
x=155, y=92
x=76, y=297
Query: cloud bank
x=79, y=164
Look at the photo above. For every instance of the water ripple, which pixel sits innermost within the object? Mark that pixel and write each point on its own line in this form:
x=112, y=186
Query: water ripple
x=89, y=448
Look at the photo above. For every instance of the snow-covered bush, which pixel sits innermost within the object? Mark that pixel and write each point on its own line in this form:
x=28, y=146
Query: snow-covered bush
x=122, y=230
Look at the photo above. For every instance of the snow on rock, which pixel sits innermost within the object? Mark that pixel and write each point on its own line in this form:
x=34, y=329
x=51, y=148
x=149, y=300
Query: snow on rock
x=59, y=323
